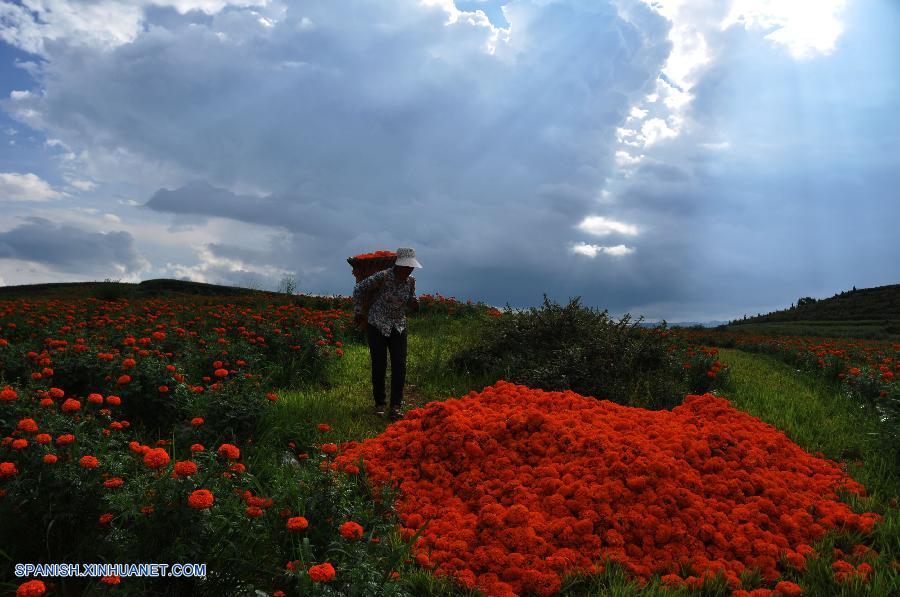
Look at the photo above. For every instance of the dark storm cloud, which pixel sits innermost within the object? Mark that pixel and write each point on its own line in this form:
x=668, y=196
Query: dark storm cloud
x=409, y=135
x=201, y=198
x=68, y=248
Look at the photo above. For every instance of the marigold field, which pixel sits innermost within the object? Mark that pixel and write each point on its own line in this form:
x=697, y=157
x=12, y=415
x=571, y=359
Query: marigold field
x=238, y=433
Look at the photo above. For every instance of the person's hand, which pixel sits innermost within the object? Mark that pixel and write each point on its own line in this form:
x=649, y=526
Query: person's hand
x=359, y=321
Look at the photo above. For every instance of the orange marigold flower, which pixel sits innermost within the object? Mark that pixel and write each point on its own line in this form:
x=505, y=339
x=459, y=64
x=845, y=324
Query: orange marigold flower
x=56, y=393
x=8, y=394
x=296, y=523
x=351, y=530
x=106, y=518
x=254, y=511
x=229, y=451
x=31, y=588
x=113, y=400
x=19, y=444
x=221, y=372
x=788, y=589
x=321, y=572
x=88, y=462
x=50, y=458
x=8, y=469
x=864, y=570
x=197, y=421
x=28, y=425
x=95, y=398
x=185, y=468
x=113, y=482
x=65, y=438
x=200, y=499
x=156, y=457
x=329, y=448
x=123, y=379
x=110, y=580
x=71, y=405
x=197, y=448
x=324, y=427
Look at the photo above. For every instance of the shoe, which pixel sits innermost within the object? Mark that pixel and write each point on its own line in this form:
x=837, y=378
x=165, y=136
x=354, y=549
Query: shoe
x=395, y=414
x=379, y=410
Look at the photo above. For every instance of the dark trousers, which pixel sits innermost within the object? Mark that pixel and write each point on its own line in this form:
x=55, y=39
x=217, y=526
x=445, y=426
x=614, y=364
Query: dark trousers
x=378, y=347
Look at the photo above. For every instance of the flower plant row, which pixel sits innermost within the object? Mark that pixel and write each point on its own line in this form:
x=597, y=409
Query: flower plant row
x=520, y=486
x=867, y=371
x=867, y=368
x=128, y=501
x=85, y=383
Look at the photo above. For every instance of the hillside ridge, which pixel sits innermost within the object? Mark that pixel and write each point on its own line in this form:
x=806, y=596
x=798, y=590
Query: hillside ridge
x=880, y=303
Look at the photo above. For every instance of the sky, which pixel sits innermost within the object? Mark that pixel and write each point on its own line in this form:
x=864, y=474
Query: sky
x=681, y=160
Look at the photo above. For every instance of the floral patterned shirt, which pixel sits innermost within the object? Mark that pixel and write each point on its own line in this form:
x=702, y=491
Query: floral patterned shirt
x=388, y=309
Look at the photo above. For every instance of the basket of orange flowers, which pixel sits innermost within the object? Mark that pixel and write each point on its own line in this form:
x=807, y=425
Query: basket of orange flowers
x=366, y=264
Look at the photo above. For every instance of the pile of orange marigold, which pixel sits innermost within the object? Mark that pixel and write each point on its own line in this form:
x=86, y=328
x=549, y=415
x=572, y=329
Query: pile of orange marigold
x=522, y=485
x=374, y=255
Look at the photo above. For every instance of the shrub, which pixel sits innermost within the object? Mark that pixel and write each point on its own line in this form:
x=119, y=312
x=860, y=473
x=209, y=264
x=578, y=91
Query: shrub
x=580, y=349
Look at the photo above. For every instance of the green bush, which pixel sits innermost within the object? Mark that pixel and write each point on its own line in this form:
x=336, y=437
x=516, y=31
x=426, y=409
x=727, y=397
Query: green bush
x=580, y=349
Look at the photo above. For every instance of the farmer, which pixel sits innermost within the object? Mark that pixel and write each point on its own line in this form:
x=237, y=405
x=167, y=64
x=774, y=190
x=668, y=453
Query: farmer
x=387, y=294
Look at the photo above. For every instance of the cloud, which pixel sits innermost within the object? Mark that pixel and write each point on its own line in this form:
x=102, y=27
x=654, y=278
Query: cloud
x=26, y=187
x=807, y=27
x=83, y=185
x=100, y=24
x=656, y=129
x=236, y=139
x=434, y=127
x=69, y=248
x=594, y=250
x=602, y=226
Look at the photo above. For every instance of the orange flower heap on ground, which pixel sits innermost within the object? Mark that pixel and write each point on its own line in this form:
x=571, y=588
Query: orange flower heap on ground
x=522, y=485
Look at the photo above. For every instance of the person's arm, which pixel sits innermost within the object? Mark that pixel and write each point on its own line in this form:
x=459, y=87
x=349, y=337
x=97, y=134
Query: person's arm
x=360, y=291
x=413, y=302
x=362, y=287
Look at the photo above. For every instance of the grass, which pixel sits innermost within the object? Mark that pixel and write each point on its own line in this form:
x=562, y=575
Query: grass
x=813, y=413
x=347, y=404
x=810, y=411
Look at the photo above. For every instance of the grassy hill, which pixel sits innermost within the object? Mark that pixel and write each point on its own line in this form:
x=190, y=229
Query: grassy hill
x=862, y=313
x=108, y=290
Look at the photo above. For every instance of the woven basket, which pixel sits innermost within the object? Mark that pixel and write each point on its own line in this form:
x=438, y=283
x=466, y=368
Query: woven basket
x=368, y=263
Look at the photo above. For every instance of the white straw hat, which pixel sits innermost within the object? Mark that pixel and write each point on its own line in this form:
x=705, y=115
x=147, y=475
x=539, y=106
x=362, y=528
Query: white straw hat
x=407, y=257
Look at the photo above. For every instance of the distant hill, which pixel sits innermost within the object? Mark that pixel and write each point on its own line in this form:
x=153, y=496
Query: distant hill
x=167, y=289
x=112, y=290
x=862, y=313
x=685, y=324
